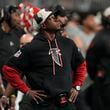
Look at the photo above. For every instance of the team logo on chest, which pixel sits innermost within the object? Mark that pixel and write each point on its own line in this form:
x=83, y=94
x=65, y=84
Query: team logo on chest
x=56, y=54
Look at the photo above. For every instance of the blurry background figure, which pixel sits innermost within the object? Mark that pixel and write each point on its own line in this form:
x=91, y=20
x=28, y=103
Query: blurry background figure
x=26, y=38
x=98, y=21
x=72, y=27
x=81, y=29
x=85, y=37
x=61, y=16
x=9, y=39
x=86, y=32
x=23, y=22
x=98, y=61
x=27, y=12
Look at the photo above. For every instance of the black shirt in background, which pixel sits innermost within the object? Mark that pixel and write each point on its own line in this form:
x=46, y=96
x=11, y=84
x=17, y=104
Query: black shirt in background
x=98, y=54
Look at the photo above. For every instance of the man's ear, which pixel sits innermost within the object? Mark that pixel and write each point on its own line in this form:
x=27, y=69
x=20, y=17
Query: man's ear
x=43, y=26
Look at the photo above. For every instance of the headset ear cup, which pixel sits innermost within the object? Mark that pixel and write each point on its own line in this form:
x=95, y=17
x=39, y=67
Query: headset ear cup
x=43, y=26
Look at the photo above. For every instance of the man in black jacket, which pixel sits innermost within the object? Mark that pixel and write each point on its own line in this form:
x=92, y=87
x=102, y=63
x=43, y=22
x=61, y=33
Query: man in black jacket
x=48, y=67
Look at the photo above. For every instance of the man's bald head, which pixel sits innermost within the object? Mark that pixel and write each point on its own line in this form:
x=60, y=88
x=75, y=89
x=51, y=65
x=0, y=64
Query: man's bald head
x=26, y=38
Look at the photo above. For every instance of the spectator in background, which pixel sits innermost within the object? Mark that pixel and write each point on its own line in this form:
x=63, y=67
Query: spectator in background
x=10, y=32
x=98, y=62
x=87, y=31
x=29, y=26
x=82, y=36
x=88, y=25
x=9, y=41
x=25, y=39
x=61, y=15
x=72, y=27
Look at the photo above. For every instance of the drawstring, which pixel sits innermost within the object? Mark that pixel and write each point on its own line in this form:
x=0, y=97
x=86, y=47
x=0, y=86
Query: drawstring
x=51, y=53
x=58, y=53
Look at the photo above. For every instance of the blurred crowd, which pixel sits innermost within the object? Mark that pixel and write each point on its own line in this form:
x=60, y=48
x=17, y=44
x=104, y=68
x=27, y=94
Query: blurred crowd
x=89, y=31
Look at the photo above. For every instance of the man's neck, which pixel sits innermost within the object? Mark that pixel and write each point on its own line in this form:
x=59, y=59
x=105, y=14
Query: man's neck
x=49, y=35
x=87, y=31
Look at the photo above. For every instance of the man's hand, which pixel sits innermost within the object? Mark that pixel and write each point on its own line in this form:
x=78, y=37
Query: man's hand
x=36, y=95
x=73, y=96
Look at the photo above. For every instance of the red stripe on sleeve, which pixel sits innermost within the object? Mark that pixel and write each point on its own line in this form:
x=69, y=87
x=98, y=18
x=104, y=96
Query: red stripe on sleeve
x=80, y=74
x=14, y=79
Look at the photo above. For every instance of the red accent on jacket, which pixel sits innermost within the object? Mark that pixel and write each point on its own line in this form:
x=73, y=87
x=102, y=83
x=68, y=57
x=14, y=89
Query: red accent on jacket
x=80, y=74
x=14, y=79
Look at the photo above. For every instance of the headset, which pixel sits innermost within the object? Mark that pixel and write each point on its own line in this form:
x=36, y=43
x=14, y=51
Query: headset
x=5, y=14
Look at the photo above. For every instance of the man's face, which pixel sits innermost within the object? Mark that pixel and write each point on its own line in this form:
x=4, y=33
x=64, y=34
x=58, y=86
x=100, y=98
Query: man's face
x=52, y=24
x=90, y=22
x=62, y=20
x=15, y=19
